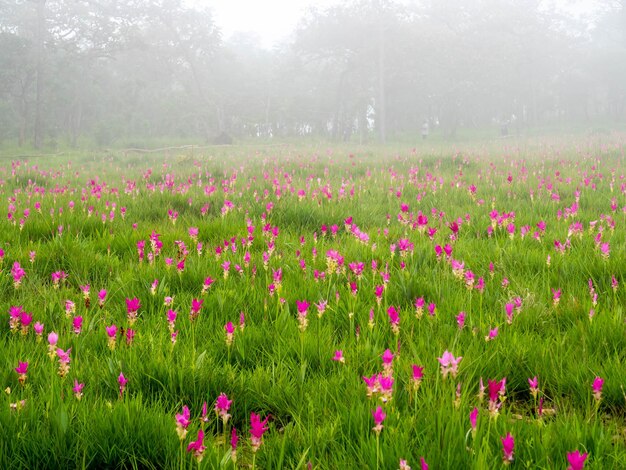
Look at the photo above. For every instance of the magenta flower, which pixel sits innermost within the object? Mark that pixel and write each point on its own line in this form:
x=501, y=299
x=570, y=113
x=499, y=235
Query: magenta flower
x=197, y=446
x=78, y=389
x=493, y=333
x=182, y=422
x=18, y=274
x=379, y=416
x=576, y=460
x=460, y=320
x=102, y=295
x=222, y=405
x=339, y=356
x=387, y=358
x=394, y=319
x=230, y=333
x=597, y=388
x=534, y=386
x=196, y=305
x=508, y=445
x=122, y=381
x=22, y=369
x=64, y=361
x=473, y=418
x=38, y=327
x=77, y=324
x=449, y=364
x=423, y=464
x=257, y=429
x=372, y=384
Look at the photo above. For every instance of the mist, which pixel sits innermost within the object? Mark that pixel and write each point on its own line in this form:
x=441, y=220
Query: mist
x=138, y=73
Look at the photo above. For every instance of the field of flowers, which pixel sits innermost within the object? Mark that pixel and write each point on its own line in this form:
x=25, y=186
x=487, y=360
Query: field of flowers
x=345, y=308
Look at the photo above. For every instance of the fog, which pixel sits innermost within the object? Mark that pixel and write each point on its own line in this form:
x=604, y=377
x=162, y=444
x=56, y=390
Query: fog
x=146, y=72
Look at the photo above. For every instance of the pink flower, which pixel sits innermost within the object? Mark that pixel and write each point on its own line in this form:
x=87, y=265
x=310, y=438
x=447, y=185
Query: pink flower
x=423, y=464
x=449, y=364
x=534, y=386
x=182, y=422
x=64, y=361
x=122, y=381
x=38, y=327
x=493, y=333
x=460, y=320
x=77, y=324
x=394, y=319
x=78, y=389
x=576, y=460
x=22, y=369
x=132, y=306
x=508, y=444
x=230, y=333
x=597, y=388
x=339, y=356
x=222, y=405
x=102, y=295
x=197, y=446
x=379, y=416
x=196, y=305
x=473, y=418
x=257, y=429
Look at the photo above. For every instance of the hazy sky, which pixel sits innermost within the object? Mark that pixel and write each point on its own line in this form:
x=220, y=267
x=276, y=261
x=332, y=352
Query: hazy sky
x=272, y=20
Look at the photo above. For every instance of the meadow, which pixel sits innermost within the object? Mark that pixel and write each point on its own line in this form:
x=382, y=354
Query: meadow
x=325, y=308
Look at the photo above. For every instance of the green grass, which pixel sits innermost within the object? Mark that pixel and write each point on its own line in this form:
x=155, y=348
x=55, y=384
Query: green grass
x=318, y=409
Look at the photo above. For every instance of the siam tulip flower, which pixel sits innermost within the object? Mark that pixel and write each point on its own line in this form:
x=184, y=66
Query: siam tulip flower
x=480, y=285
x=57, y=278
x=154, y=286
x=605, y=250
x=222, y=405
x=257, y=429
x=70, y=308
x=78, y=389
x=26, y=319
x=339, y=356
x=168, y=301
x=208, y=282
x=481, y=390
x=509, y=309
x=302, y=307
x=614, y=283
x=321, y=307
x=457, y=400
x=556, y=297
x=431, y=309
x=22, y=370
x=460, y=320
x=132, y=307
x=493, y=333
x=233, y=445
x=18, y=274
x=196, y=305
x=230, y=333
x=193, y=233
x=534, y=386
x=418, y=376
x=38, y=327
x=64, y=361
x=173, y=336
x=197, y=447
x=15, y=318
x=52, y=343
x=122, y=381
x=419, y=307
x=423, y=464
x=576, y=460
x=404, y=465
x=130, y=336
x=449, y=364
x=473, y=419
x=102, y=297
x=379, y=416
x=372, y=384
x=77, y=324
x=182, y=422
x=598, y=382
x=508, y=445
x=31, y=256
x=387, y=358
x=86, y=290
x=497, y=392
x=242, y=321
x=394, y=319
x=171, y=319
x=385, y=386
